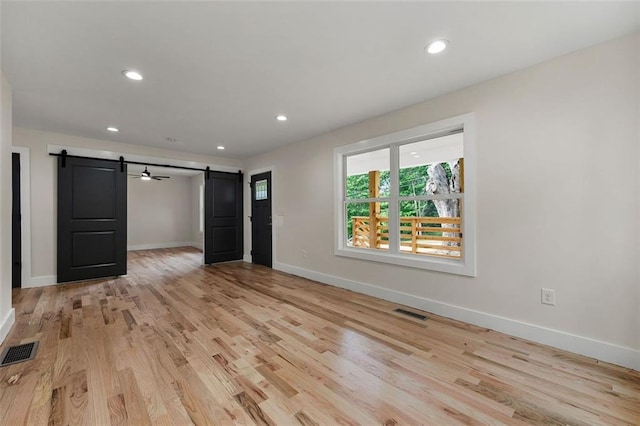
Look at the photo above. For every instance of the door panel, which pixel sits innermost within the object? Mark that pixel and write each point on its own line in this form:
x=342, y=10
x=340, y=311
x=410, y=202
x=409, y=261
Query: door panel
x=223, y=217
x=92, y=219
x=261, y=250
x=16, y=224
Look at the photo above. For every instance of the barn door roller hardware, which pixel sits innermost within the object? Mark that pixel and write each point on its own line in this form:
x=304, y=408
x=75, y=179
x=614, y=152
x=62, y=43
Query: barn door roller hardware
x=64, y=155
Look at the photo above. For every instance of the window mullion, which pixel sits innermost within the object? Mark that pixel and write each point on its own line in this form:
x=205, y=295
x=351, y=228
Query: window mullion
x=394, y=220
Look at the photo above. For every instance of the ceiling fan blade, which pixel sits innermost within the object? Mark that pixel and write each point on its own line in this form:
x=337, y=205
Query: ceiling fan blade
x=156, y=178
x=163, y=177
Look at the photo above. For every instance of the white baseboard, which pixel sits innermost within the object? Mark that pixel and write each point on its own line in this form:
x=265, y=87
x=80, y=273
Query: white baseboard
x=247, y=258
x=158, y=246
x=608, y=352
x=41, y=281
x=7, y=323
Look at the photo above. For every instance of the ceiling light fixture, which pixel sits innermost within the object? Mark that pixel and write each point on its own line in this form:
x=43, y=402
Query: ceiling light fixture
x=113, y=129
x=220, y=147
x=133, y=75
x=281, y=117
x=145, y=175
x=436, y=46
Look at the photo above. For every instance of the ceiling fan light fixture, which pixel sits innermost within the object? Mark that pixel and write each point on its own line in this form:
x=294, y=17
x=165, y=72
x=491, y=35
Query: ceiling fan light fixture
x=281, y=117
x=145, y=175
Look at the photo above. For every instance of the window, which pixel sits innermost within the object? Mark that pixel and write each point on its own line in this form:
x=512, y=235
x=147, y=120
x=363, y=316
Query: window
x=408, y=198
x=261, y=190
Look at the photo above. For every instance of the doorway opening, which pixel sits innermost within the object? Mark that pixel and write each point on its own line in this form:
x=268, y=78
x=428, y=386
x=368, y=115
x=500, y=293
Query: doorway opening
x=16, y=223
x=163, y=208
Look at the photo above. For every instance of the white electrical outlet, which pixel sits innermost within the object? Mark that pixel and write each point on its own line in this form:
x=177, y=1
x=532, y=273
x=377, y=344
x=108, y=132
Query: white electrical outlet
x=548, y=296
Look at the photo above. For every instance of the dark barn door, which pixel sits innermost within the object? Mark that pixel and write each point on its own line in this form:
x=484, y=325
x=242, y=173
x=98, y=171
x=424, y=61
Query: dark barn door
x=222, y=217
x=16, y=224
x=261, y=219
x=92, y=219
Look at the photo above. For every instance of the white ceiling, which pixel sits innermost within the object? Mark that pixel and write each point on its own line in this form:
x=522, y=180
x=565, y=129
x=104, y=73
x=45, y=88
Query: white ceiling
x=219, y=72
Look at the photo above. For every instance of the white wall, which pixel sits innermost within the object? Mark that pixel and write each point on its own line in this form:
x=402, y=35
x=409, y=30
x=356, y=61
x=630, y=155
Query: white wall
x=557, y=205
x=7, y=314
x=44, y=188
x=158, y=212
x=197, y=237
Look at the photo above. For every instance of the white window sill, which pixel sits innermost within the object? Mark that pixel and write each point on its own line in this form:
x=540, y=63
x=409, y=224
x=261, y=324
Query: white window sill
x=458, y=267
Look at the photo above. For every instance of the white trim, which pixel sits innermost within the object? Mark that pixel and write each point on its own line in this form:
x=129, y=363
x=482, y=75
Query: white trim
x=113, y=155
x=7, y=323
x=604, y=351
x=159, y=246
x=25, y=207
x=465, y=266
x=41, y=281
x=274, y=216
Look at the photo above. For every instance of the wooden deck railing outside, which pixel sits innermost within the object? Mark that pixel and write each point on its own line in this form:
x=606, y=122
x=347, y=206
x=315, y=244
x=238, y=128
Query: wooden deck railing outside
x=432, y=236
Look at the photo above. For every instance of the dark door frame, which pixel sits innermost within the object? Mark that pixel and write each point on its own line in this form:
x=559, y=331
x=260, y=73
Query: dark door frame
x=25, y=207
x=16, y=223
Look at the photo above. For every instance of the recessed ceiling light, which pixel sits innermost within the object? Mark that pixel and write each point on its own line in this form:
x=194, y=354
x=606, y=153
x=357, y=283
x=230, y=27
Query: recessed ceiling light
x=133, y=75
x=413, y=153
x=436, y=46
x=220, y=147
x=281, y=117
x=113, y=129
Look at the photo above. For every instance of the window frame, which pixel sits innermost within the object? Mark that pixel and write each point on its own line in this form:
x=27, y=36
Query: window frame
x=466, y=265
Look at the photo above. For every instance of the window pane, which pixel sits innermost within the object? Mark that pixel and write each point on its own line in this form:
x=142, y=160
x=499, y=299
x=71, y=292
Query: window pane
x=360, y=232
x=434, y=166
x=261, y=190
x=368, y=175
x=431, y=228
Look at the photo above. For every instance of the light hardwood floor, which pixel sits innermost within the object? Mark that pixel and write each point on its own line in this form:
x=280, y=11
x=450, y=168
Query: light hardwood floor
x=177, y=343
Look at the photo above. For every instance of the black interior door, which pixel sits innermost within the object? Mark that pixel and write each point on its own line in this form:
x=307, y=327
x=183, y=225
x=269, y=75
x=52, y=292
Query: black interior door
x=222, y=217
x=92, y=219
x=16, y=223
x=261, y=219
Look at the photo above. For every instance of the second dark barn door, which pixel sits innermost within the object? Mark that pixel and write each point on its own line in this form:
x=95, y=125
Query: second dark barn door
x=92, y=219
x=223, y=217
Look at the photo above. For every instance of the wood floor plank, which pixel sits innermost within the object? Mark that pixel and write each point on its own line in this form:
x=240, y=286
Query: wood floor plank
x=175, y=343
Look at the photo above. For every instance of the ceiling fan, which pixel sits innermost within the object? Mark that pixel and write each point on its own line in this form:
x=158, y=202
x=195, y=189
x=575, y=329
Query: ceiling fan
x=146, y=175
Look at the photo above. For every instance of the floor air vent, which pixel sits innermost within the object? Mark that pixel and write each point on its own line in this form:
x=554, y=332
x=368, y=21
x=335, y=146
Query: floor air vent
x=16, y=354
x=411, y=314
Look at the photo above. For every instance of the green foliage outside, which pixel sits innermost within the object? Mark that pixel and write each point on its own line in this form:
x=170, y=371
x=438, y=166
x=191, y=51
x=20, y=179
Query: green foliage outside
x=413, y=182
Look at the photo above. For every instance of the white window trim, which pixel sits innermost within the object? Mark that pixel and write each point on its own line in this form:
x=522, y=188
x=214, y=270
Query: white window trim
x=465, y=266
